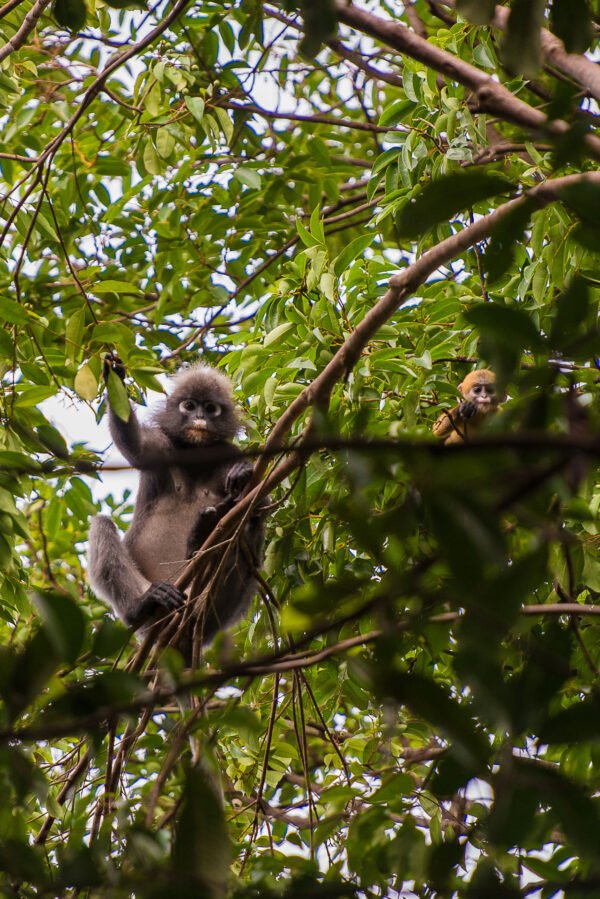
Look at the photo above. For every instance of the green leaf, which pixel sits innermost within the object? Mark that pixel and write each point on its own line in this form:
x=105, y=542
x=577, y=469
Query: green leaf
x=505, y=239
x=12, y=312
x=196, y=107
x=109, y=285
x=31, y=396
x=305, y=236
x=152, y=161
x=521, y=48
x=431, y=700
x=572, y=307
x=351, y=252
x=64, y=622
x=74, y=333
x=202, y=850
x=440, y=200
x=579, y=722
x=479, y=12
x=85, y=383
x=117, y=396
x=165, y=142
x=571, y=21
x=70, y=14
x=507, y=325
x=248, y=177
x=53, y=440
x=225, y=123
x=583, y=198
x=469, y=535
x=277, y=333
x=320, y=24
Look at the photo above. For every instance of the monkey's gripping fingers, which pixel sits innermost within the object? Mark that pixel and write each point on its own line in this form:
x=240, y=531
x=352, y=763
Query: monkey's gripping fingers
x=160, y=598
x=237, y=477
x=205, y=524
x=467, y=410
x=113, y=363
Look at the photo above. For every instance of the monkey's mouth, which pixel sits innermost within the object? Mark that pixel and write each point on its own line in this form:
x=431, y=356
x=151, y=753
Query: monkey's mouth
x=198, y=433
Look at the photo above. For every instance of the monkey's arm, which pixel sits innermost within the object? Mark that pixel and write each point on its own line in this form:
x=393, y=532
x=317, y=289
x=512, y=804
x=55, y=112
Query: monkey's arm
x=139, y=444
x=136, y=442
x=449, y=422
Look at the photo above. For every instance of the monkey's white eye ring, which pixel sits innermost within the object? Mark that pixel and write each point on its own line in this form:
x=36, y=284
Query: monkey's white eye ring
x=212, y=408
x=187, y=406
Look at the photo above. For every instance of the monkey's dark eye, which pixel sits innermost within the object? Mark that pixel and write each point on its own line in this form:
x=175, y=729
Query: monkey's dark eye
x=212, y=408
x=477, y=389
x=187, y=406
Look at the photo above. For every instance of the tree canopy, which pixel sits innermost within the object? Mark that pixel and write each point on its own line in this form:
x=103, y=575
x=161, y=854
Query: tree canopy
x=346, y=208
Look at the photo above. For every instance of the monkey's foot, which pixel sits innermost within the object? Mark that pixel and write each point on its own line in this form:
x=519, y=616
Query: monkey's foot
x=237, y=477
x=160, y=598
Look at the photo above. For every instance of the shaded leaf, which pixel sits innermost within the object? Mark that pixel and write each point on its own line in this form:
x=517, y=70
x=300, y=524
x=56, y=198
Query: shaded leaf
x=117, y=396
x=440, y=200
x=202, y=848
x=70, y=14
x=521, y=48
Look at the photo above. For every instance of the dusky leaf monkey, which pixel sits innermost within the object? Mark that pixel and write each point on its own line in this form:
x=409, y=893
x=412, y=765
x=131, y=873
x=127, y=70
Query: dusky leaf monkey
x=180, y=500
x=480, y=400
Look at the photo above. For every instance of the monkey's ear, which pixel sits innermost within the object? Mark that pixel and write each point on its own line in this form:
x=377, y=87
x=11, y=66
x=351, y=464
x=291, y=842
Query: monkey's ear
x=460, y=388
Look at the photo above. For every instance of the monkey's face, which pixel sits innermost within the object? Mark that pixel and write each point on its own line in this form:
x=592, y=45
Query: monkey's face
x=483, y=394
x=198, y=419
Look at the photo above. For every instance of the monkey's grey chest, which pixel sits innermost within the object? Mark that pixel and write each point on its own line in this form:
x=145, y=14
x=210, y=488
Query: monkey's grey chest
x=200, y=494
x=159, y=547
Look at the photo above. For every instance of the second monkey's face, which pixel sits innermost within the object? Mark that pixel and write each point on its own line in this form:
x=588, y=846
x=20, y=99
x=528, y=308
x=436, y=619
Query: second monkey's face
x=482, y=392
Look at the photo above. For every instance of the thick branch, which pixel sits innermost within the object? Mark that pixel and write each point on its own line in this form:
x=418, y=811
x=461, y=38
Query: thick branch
x=8, y=7
x=27, y=26
x=582, y=70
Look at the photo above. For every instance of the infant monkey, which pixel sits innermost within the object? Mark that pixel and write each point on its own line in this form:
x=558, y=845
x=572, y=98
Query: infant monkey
x=480, y=400
x=181, y=498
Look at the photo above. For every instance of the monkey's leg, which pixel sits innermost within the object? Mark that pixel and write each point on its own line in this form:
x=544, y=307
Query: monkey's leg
x=115, y=578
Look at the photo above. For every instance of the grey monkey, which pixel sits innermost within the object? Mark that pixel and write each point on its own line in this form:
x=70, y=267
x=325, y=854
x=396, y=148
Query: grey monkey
x=190, y=478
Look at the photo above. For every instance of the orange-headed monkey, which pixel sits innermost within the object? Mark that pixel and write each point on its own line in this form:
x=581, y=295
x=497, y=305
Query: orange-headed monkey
x=480, y=400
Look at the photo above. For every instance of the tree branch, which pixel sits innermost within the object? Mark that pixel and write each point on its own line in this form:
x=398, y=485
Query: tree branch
x=578, y=67
x=27, y=26
x=492, y=96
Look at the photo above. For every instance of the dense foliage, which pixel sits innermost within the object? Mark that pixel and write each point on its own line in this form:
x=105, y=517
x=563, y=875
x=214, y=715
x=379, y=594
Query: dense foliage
x=347, y=208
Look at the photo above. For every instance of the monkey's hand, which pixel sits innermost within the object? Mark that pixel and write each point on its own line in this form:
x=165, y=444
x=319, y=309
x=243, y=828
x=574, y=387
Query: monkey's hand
x=467, y=410
x=237, y=477
x=205, y=524
x=159, y=599
x=113, y=363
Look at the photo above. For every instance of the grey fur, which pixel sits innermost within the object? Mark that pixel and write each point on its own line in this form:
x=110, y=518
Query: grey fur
x=182, y=495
